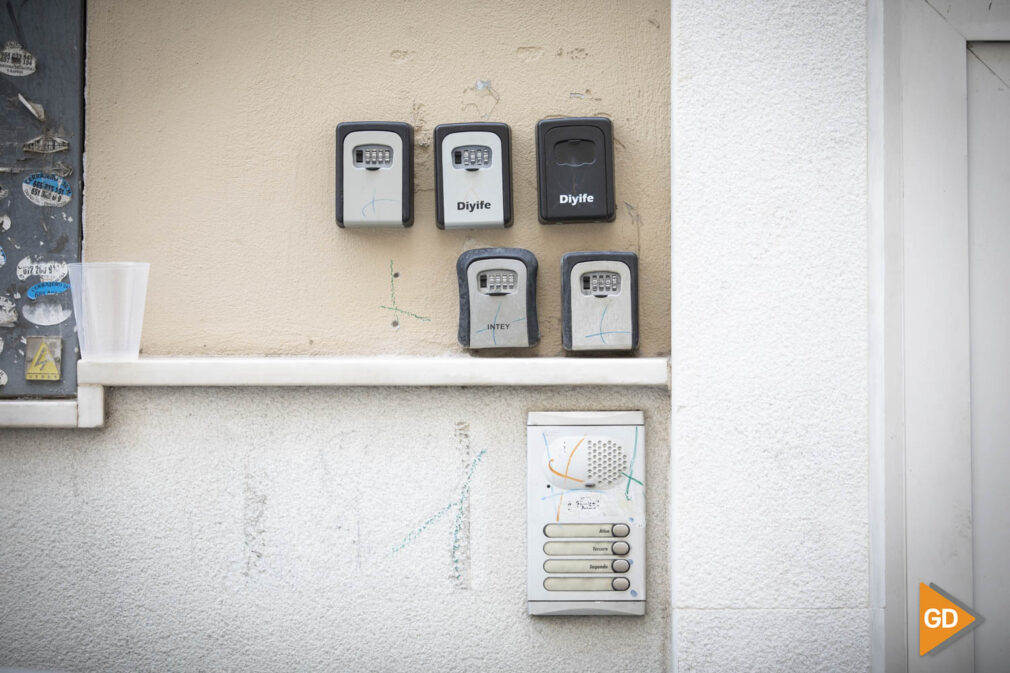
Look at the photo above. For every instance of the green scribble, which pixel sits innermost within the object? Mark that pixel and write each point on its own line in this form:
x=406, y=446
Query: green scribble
x=631, y=478
x=400, y=310
x=631, y=468
x=423, y=527
x=397, y=311
x=459, y=504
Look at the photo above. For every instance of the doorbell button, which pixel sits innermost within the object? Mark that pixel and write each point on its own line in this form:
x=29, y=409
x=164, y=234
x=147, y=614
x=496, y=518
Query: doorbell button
x=579, y=566
x=582, y=530
x=578, y=584
x=621, y=530
x=620, y=565
x=581, y=548
x=620, y=584
x=621, y=548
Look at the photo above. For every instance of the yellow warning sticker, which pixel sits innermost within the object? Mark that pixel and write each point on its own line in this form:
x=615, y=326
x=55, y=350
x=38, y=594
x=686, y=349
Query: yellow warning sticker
x=43, y=361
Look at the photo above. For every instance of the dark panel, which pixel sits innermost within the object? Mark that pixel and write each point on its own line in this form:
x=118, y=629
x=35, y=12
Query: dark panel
x=44, y=233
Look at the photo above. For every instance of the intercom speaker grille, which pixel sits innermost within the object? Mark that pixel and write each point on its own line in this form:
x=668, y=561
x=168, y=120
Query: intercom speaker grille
x=606, y=461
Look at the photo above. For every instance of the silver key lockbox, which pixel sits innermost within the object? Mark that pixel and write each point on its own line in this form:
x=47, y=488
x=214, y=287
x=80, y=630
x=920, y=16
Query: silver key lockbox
x=375, y=174
x=497, y=298
x=473, y=175
x=599, y=301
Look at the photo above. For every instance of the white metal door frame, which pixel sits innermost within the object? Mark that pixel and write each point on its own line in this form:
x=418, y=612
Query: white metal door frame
x=920, y=468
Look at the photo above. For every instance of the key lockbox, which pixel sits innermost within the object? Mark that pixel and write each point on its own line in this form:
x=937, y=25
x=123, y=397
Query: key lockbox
x=575, y=170
x=375, y=174
x=497, y=298
x=473, y=175
x=599, y=301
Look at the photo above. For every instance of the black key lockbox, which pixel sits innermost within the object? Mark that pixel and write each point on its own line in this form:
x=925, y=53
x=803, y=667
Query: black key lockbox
x=575, y=170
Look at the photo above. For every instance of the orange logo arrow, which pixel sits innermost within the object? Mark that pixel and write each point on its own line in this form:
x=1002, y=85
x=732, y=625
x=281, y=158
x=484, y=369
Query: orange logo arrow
x=941, y=617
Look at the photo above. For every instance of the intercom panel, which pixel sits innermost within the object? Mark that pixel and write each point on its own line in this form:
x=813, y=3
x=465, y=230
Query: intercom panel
x=497, y=298
x=585, y=495
x=599, y=301
x=473, y=176
x=575, y=170
x=375, y=174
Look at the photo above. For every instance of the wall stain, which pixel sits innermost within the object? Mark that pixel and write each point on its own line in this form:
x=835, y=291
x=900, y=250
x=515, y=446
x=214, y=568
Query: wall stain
x=396, y=310
x=422, y=136
x=529, y=54
x=482, y=97
x=254, y=506
x=60, y=243
x=586, y=94
x=577, y=54
x=401, y=55
x=636, y=219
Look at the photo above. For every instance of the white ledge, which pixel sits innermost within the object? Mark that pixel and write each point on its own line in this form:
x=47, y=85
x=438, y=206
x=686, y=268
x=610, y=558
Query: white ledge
x=87, y=411
x=375, y=371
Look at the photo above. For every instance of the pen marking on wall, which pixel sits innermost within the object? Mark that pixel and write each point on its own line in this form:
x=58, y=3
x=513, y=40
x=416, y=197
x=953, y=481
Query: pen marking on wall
x=459, y=507
x=396, y=310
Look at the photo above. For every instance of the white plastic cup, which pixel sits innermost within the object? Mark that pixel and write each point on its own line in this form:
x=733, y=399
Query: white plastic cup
x=109, y=308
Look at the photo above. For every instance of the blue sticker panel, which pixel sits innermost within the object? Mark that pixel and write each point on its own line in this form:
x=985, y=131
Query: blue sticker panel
x=46, y=289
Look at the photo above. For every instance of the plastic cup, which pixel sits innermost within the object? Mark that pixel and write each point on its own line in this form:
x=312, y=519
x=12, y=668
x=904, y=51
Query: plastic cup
x=109, y=308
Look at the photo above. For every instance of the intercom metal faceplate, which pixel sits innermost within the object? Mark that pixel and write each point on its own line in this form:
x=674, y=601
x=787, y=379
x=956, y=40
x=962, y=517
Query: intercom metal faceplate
x=473, y=175
x=585, y=495
x=497, y=298
x=599, y=301
x=575, y=170
x=375, y=174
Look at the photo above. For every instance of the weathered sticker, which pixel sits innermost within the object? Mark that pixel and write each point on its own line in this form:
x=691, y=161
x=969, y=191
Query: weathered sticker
x=46, y=311
x=48, y=270
x=3, y=258
x=5, y=222
x=43, y=356
x=1, y=344
x=3, y=378
x=8, y=312
x=46, y=144
x=47, y=289
x=36, y=109
x=16, y=61
x=44, y=189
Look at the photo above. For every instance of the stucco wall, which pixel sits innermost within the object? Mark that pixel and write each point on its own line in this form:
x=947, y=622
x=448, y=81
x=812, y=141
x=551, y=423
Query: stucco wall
x=770, y=337
x=210, y=513
x=210, y=154
x=265, y=530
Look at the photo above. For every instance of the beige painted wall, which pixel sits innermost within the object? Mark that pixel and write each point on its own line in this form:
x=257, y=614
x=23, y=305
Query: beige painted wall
x=210, y=154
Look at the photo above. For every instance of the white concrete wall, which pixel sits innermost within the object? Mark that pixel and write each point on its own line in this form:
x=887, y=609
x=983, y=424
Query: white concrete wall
x=770, y=336
x=302, y=530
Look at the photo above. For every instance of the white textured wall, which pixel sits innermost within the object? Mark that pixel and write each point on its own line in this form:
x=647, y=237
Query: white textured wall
x=770, y=336
x=277, y=530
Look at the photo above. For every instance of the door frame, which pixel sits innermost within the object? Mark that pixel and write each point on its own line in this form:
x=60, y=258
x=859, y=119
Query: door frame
x=920, y=395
